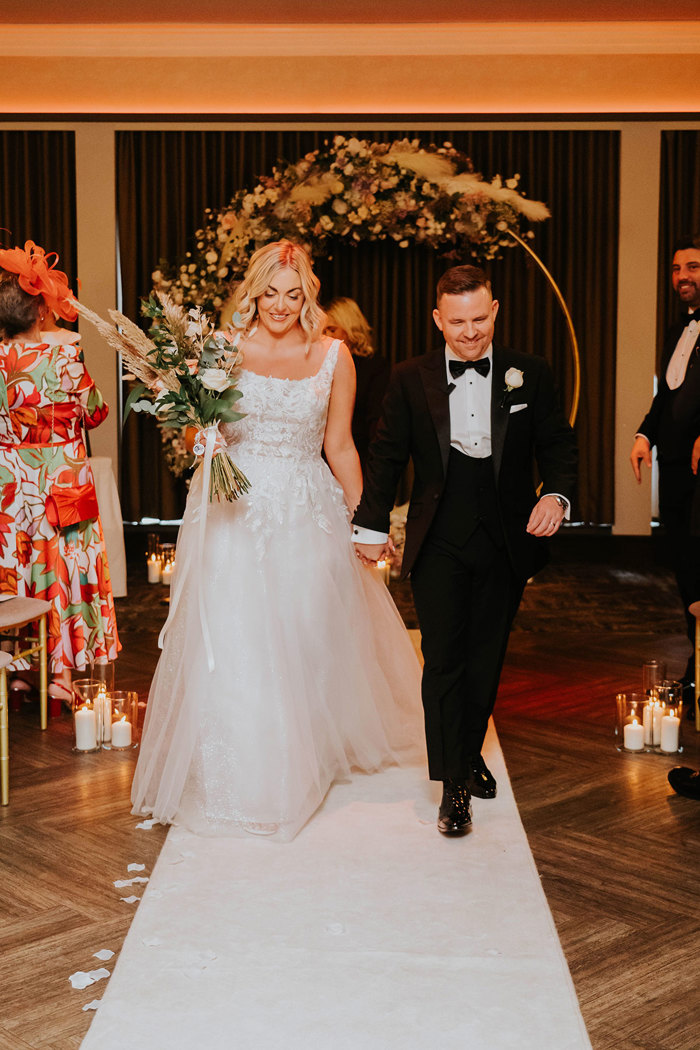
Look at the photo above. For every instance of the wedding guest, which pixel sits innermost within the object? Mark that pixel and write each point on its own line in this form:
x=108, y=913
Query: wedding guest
x=285, y=662
x=474, y=417
x=672, y=425
x=49, y=398
x=345, y=320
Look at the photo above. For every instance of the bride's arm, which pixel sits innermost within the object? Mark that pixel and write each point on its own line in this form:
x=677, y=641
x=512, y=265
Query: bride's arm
x=338, y=444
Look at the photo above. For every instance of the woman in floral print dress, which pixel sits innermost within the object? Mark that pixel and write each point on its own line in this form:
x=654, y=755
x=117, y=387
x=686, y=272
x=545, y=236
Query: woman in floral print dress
x=46, y=398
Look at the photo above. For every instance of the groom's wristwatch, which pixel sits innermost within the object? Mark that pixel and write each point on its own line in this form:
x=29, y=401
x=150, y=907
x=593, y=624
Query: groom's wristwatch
x=564, y=504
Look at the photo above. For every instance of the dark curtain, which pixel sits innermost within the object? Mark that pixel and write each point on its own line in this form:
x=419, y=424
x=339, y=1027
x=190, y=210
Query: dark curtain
x=165, y=180
x=679, y=212
x=37, y=193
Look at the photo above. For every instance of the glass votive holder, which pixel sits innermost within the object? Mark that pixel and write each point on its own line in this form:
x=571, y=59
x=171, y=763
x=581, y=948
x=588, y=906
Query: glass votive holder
x=653, y=673
x=103, y=674
x=630, y=730
x=670, y=694
x=167, y=563
x=124, y=709
x=88, y=716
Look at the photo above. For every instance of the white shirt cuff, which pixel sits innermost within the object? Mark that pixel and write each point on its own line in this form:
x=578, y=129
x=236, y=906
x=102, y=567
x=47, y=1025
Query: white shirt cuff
x=362, y=535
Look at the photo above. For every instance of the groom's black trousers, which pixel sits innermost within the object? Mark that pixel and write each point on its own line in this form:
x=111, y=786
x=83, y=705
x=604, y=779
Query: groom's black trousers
x=466, y=596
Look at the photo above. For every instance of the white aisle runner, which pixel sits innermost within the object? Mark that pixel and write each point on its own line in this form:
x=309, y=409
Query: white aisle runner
x=369, y=931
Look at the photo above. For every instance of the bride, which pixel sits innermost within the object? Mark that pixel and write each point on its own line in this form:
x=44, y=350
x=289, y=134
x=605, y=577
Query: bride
x=313, y=672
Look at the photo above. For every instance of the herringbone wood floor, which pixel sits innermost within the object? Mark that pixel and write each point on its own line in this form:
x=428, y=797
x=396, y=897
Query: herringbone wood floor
x=618, y=853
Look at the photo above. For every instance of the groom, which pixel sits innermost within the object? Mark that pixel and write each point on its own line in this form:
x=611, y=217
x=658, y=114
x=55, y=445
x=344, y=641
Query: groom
x=475, y=418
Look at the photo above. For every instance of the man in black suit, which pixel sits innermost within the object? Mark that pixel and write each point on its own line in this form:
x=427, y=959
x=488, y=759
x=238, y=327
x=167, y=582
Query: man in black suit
x=673, y=425
x=474, y=417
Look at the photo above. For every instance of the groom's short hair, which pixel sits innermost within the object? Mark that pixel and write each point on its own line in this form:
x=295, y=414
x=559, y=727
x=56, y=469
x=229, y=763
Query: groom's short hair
x=460, y=279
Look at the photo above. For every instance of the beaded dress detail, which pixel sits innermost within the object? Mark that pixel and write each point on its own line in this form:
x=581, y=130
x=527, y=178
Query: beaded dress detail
x=314, y=672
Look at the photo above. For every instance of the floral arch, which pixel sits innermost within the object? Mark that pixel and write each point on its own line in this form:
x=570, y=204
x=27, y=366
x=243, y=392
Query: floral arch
x=352, y=191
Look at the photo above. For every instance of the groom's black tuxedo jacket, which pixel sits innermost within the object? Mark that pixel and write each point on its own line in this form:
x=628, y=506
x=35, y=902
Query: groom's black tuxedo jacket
x=415, y=424
x=672, y=424
x=673, y=421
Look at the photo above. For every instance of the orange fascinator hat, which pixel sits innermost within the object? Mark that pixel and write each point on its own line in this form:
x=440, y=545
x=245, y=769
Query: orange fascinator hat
x=38, y=276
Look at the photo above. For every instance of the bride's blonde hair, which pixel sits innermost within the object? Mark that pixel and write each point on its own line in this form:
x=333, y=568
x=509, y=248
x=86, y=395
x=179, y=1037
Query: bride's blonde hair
x=264, y=263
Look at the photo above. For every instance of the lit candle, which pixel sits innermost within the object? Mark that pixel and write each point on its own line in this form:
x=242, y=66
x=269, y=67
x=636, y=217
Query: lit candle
x=85, y=729
x=648, y=722
x=153, y=565
x=657, y=714
x=166, y=573
x=106, y=709
x=670, y=732
x=634, y=736
x=121, y=733
x=381, y=570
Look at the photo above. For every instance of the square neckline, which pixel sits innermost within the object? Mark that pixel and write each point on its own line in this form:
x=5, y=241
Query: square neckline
x=288, y=379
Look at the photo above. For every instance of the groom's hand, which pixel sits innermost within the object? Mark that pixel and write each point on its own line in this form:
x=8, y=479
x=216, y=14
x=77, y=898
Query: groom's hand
x=546, y=517
x=371, y=553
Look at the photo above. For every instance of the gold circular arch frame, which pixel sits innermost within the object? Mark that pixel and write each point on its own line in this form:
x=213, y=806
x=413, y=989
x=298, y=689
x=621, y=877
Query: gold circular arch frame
x=569, y=324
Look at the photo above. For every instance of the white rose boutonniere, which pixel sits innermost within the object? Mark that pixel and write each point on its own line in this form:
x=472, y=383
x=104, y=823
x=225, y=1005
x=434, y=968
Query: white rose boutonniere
x=514, y=380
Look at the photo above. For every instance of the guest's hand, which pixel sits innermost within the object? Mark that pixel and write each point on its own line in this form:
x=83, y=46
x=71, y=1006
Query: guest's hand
x=371, y=553
x=695, y=456
x=641, y=453
x=546, y=517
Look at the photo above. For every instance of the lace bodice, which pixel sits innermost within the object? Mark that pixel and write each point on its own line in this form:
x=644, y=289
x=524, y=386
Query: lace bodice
x=278, y=446
x=283, y=417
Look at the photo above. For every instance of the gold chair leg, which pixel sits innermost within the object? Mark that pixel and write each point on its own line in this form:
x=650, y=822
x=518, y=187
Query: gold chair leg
x=697, y=675
x=43, y=674
x=4, y=742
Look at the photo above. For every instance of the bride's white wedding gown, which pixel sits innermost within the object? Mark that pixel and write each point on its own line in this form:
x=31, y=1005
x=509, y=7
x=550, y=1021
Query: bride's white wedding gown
x=314, y=673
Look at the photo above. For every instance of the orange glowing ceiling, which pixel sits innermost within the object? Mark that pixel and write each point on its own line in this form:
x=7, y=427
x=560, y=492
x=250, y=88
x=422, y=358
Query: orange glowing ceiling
x=343, y=11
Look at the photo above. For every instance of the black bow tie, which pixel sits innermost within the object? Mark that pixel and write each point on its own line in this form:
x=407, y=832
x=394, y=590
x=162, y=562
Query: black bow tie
x=695, y=316
x=458, y=368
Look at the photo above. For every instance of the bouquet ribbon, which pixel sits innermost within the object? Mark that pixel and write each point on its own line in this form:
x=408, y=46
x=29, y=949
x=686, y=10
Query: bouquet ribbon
x=211, y=434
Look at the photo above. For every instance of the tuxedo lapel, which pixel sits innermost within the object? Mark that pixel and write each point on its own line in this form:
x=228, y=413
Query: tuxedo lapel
x=500, y=409
x=433, y=376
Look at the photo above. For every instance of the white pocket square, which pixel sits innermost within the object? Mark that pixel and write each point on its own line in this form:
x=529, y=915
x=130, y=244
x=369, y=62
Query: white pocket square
x=517, y=408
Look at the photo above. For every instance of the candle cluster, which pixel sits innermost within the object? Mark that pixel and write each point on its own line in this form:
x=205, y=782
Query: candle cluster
x=161, y=566
x=651, y=721
x=104, y=720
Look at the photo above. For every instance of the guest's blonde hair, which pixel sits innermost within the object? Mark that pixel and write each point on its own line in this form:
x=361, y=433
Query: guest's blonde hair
x=346, y=314
x=264, y=264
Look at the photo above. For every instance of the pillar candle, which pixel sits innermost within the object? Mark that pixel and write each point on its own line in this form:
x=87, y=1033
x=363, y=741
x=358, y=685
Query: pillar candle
x=85, y=729
x=658, y=713
x=121, y=733
x=106, y=703
x=153, y=565
x=647, y=720
x=166, y=573
x=634, y=736
x=670, y=732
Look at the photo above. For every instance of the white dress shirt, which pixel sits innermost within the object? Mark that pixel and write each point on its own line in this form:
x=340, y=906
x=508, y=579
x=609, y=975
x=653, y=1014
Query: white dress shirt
x=470, y=408
x=675, y=373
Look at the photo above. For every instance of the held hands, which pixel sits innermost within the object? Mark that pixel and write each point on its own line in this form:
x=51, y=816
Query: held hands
x=546, y=517
x=641, y=453
x=371, y=553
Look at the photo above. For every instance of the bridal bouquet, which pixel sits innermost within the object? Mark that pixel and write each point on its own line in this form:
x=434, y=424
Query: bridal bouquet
x=185, y=372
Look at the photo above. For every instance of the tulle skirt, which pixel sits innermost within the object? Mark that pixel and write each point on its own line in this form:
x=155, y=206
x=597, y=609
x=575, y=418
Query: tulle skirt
x=314, y=673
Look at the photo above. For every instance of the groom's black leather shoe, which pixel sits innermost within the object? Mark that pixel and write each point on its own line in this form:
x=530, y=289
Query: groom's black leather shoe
x=455, y=815
x=481, y=782
x=685, y=781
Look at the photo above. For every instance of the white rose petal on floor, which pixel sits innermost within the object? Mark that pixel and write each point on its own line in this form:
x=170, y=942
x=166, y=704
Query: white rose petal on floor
x=369, y=931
